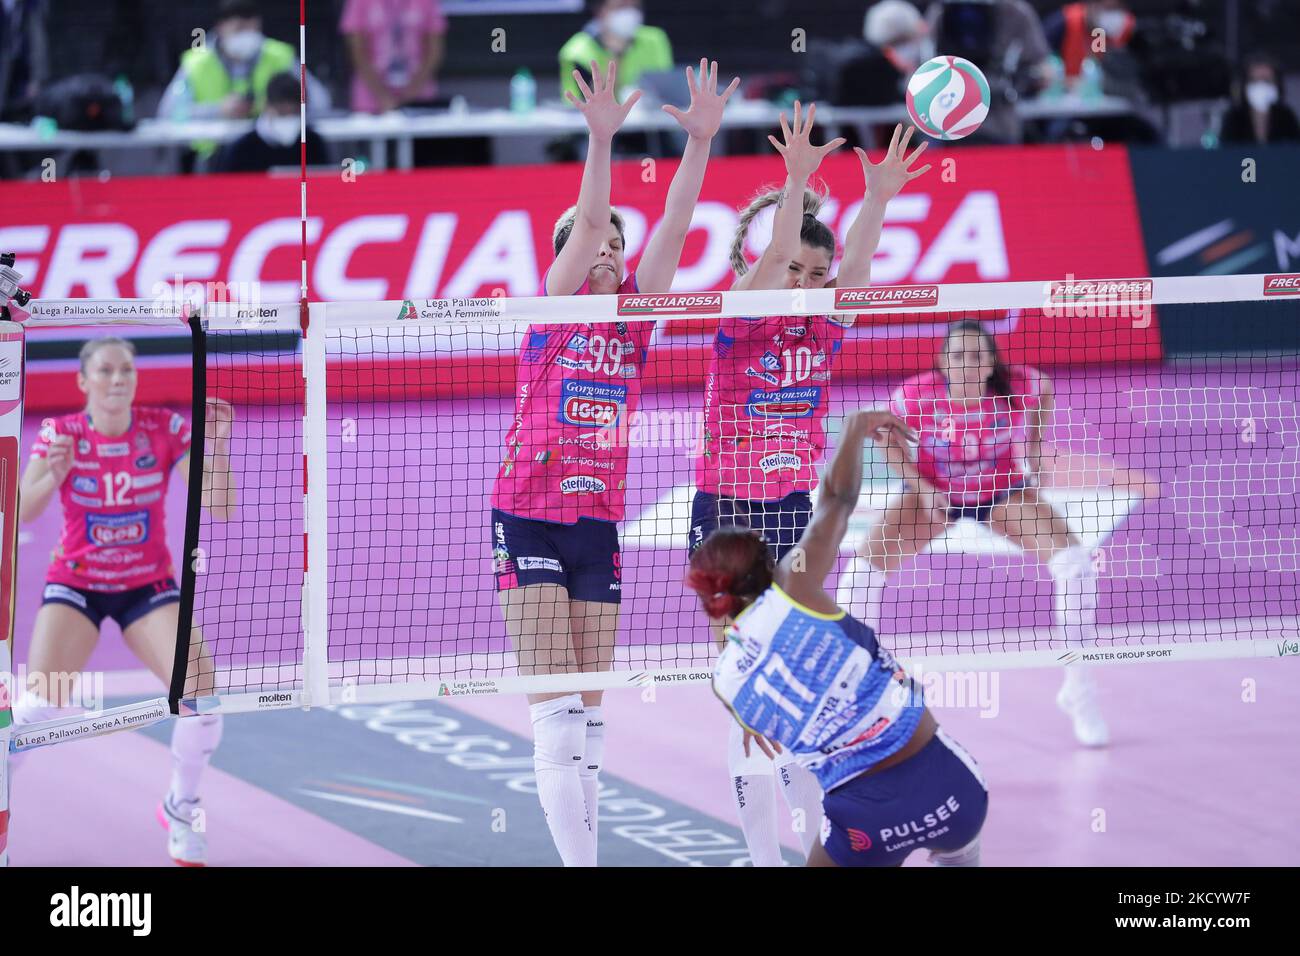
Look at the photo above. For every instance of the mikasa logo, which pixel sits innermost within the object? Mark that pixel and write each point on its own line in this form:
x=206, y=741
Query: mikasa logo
x=103, y=909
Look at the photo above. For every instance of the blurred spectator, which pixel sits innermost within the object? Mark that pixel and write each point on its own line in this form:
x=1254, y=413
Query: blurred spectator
x=1258, y=114
x=396, y=48
x=273, y=141
x=228, y=78
x=24, y=56
x=898, y=31
x=616, y=32
x=1069, y=31
x=1004, y=38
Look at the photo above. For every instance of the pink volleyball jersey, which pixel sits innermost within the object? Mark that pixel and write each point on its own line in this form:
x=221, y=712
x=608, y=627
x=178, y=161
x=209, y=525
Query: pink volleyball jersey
x=766, y=398
x=576, y=386
x=114, y=535
x=970, y=454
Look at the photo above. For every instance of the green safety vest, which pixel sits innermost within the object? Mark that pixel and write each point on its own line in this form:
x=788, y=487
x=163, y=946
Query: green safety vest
x=648, y=52
x=209, y=81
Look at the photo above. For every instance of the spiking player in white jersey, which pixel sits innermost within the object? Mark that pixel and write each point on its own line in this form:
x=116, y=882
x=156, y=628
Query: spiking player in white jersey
x=110, y=466
x=767, y=395
x=982, y=426
x=560, y=491
x=799, y=670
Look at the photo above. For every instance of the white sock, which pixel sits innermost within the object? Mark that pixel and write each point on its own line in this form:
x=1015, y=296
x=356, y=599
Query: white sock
x=969, y=855
x=559, y=740
x=589, y=772
x=753, y=781
x=193, y=741
x=1078, y=680
x=861, y=591
x=1074, y=582
x=803, y=794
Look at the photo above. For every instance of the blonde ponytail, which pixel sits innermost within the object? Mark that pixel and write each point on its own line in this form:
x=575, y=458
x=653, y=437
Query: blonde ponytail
x=813, y=201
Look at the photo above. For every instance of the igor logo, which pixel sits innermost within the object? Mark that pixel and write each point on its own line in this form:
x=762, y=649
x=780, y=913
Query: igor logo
x=590, y=403
x=109, y=530
x=582, y=485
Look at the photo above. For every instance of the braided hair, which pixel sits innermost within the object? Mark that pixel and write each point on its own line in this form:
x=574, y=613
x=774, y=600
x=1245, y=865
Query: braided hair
x=812, y=232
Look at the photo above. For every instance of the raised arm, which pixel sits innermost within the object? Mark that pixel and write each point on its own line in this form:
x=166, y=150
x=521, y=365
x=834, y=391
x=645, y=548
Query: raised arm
x=220, y=495
x=604, y=115
x=658, y=265
x=803, y=571
x=801, y=161
x=882, y=183
x=1039, y=420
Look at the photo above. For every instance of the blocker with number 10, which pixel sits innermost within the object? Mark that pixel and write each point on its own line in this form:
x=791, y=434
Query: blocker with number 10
x=948, y=97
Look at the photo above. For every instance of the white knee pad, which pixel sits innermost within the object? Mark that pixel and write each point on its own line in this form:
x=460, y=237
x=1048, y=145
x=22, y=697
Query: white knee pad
x=559, y=733
x=738, y=765
x=1074, y=581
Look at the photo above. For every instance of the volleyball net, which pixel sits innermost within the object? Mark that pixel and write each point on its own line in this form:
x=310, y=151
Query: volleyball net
x=360, y=563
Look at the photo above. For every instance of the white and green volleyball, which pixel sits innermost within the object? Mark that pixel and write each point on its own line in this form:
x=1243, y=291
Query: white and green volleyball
x=948, y=97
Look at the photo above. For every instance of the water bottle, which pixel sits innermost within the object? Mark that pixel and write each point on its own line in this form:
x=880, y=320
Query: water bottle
x=1090, y=80
x=1056, y=84
x=523, y=91
x=122, y=87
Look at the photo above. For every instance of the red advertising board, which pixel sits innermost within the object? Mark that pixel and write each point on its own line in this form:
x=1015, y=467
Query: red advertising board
x=980, y=215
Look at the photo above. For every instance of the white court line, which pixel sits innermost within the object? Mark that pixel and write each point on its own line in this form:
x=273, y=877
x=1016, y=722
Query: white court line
x=386, y=807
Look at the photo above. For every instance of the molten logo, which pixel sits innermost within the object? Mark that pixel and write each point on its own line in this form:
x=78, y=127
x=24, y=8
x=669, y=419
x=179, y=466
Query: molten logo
x=887, y=296
x=1288, y=284
x=681, y=303
x=582, y=485
x=858, y=841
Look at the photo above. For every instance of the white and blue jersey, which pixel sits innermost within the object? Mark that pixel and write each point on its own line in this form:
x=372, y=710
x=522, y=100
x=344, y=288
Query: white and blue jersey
x=819, y=684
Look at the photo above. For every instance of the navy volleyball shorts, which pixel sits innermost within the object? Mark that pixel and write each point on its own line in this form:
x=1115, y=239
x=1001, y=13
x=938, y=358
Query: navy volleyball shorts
x=583, y=557
x=125, y=607
x=781, y=523
x=935, y=800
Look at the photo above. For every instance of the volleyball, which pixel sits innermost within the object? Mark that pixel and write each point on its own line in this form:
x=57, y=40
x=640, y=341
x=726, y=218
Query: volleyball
x=948, y=97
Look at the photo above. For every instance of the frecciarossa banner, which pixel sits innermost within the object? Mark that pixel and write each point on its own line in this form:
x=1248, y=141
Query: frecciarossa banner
x=980, y=215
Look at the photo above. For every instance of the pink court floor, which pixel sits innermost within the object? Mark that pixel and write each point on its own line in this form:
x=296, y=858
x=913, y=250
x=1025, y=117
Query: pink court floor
x=1201, y=770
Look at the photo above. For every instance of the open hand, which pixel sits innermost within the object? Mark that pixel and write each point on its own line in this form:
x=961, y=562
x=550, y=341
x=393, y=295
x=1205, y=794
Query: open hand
x=886, y=178
x=59, y=458
x=801, y=157
x=703, y=118
x=598, y=106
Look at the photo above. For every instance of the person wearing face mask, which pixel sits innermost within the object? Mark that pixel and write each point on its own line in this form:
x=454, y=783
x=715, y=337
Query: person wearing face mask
x=273, y=140
x=616, y=32
x=227, y=76
x=1070, y=32
x=897, y=30
x=1258, y=114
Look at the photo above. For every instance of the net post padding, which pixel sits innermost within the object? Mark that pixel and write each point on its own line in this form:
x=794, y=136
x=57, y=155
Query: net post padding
x=193, y=510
